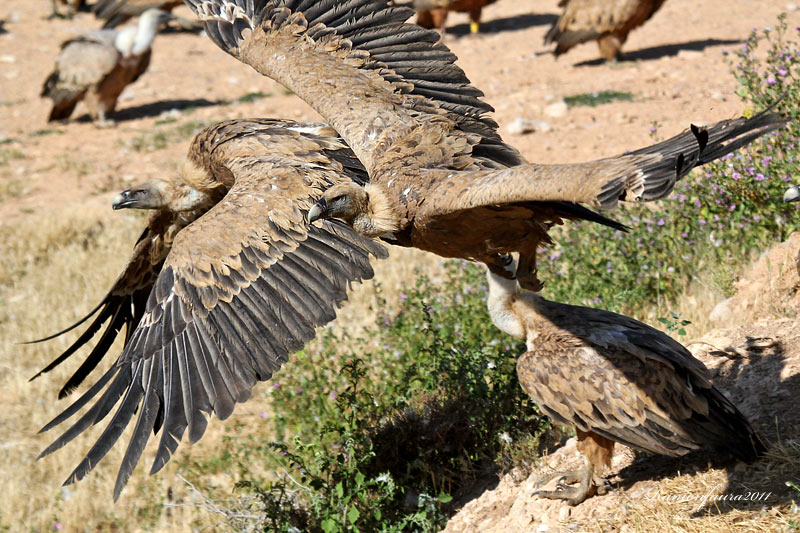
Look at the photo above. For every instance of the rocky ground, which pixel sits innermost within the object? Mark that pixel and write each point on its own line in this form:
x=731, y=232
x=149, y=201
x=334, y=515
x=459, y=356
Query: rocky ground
x=674, y=68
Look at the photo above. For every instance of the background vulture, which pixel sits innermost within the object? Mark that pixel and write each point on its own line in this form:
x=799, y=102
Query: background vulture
x=607, y=21
x=433, y=13
x=225, y=282
x=72, y=7
x=98, y=65
x=616, y=380
x=116, y=12
x=441, y=179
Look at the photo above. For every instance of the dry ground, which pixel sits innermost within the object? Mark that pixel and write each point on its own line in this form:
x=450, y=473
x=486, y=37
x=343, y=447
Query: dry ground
x=61, y=246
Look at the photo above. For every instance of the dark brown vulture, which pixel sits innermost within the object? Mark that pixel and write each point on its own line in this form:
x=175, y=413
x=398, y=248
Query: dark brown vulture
x=97, y=66
x=606, y=21
x=441, y=179
x=433, y=13
x=72, y=7
x=614, y=379
x=116, y=12
x=226, y=281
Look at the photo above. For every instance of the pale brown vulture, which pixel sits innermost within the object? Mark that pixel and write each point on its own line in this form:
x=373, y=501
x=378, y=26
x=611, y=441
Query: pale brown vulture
x=226, y=281
x=97, y=66
x=433, y=13
x=614, y=379
x=607, y=21
x=439, y=172
x=116, y=12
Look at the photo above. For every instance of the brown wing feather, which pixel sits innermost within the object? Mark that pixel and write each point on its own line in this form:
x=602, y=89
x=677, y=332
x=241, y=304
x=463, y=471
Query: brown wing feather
x=615, y=376
x=395, y=75
x=124, y=304
x=242, y=287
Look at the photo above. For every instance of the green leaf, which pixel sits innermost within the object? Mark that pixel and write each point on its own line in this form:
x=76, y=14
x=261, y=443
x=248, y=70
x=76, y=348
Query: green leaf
x=359, y=479
x=352, y=515
x=329, y=526
x=444, y=498
x=339, y=490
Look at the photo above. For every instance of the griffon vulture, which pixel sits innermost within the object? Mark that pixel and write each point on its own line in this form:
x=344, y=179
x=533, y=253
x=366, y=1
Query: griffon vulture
x=226, y=281
x=441, y=179
x=614, y=379
x=72, y=7
x=98, y=65
x=116, y=12
x=607, y=21
x=433, y=13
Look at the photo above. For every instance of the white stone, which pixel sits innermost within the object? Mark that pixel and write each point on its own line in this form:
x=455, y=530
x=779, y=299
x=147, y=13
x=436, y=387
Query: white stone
x=522, y=126
x=556, y=109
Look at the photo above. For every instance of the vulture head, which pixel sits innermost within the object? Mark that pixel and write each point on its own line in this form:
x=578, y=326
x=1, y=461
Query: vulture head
x=366, y=209
x=190, y=190
x=792, y=194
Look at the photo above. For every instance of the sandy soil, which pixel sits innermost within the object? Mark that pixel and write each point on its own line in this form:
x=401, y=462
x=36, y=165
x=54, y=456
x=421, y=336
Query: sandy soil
x=674, y=67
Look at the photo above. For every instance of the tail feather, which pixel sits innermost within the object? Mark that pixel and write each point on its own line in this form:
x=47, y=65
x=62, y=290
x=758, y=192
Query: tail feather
x=676, y=157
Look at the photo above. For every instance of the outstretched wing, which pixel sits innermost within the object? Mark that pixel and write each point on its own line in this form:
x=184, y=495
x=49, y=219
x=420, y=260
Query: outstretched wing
x=124, y=304
x=643, y=175
x=242, y=287
x=373, y=77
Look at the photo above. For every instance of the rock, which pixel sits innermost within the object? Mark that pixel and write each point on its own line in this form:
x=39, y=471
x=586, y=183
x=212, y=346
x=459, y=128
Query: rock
x=556, y=109
x=563, y=513
x=791, y=6
x=522, y=126
x=721, y=313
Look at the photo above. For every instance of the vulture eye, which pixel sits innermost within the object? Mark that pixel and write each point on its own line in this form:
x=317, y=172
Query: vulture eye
x=342, y=198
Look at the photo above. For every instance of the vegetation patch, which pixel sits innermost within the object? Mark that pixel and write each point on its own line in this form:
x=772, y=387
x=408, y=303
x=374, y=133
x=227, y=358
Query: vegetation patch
x=597, y=98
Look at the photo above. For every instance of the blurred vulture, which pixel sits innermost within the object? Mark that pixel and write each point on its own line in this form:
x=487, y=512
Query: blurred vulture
x=226, y=281
x=116, y=12
x=72, y=7
x=98, y=65
x=441, y=179
x=433, y=13
x=614, y=379
x=606, y=21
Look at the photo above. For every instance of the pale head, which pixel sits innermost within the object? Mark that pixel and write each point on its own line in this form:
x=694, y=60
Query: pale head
x=792, y=194
x=192, y=188
x=366, y=209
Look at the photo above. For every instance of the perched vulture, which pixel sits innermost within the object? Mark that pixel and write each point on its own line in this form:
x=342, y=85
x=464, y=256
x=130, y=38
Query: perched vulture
x=72, y=7
x=226, y=281
x=433, y=13
x=98, y=65
x=606, y=21
x=441, y=178
x=614, y=379
x=116, y=12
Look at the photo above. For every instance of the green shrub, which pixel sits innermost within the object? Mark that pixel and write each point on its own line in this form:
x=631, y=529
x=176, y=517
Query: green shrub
x=715, y=217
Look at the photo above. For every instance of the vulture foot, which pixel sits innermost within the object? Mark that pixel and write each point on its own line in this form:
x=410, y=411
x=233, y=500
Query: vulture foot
x=105, y=123
x=588, y=485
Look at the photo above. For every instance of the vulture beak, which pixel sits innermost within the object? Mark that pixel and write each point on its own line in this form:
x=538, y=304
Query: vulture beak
x=128, y=199
x=792, y=194
x=317, y=210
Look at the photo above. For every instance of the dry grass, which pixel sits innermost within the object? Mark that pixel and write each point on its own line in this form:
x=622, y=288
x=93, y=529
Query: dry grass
x=54, y=268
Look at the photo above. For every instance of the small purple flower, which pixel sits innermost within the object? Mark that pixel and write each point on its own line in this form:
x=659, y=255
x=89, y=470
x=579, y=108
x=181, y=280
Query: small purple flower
x=333, y=395
x=771, y=80
x=697, y=203
x=298, y=391
x=760, y=177
x=732, y=207
x=335, y=447
x=702, y=222
x=429, y=310
x=403, y=297
x=756, y=218
x=736, y=175
x=782, y=72
x=262, y=415
x=58, y=526
x=684, y=234
x=660, y=222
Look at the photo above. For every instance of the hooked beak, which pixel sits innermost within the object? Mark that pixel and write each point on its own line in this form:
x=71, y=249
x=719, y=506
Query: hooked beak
x=126, y=199
x=792, y=194
x=317, y=210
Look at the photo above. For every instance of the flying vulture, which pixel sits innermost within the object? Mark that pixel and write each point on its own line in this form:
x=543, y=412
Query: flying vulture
x=614, y=379
x=97, y=65
x=433, y=13
x=225, y=282
x=441, y=179
x=606, y=21
x=116, y=12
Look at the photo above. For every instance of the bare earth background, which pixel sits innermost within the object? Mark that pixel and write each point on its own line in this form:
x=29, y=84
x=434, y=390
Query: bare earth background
x=61, y=245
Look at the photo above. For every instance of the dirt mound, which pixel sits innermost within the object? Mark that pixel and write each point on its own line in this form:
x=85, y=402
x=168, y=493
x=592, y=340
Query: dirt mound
x=770, y=289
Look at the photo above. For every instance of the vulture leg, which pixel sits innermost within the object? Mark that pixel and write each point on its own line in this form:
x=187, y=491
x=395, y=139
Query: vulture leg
x=598, y=451
x=475, y=19
x=610, y=45
x=526, y=270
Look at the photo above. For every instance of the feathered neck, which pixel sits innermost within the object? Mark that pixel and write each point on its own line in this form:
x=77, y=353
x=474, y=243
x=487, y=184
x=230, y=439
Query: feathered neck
x=502, y=293
x=135, y=41
x=379, y=218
